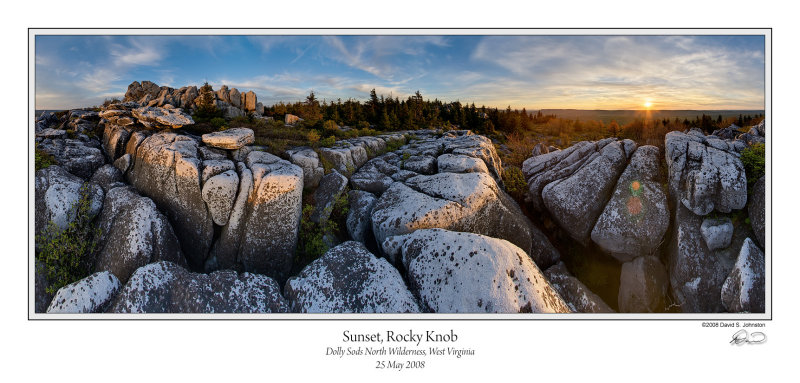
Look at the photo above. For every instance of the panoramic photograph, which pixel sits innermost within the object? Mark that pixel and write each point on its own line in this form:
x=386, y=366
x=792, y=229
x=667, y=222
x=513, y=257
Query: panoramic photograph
x=399, y=174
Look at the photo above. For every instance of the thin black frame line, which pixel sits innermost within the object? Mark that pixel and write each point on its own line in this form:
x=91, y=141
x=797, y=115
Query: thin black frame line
x=411, y=319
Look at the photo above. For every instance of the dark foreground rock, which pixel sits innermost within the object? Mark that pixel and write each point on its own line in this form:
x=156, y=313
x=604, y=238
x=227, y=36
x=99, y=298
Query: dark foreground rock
x=757, y=211
x=454, y=272
x=577, y=296
x=744, y=289
x=349, y=279
x=165, y=287
x=643, y=286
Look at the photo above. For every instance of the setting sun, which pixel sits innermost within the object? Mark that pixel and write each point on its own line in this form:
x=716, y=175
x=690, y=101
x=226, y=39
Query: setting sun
x=648, y=104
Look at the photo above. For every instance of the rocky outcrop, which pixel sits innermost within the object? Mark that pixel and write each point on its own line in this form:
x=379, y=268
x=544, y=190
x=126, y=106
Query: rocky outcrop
x=167, y=169
x=702, y=177
x=92, y=294
x=636, y=218
x=75, y=156
x=159, y=118
x=291, y=119
x=744, y=288
x=756, y=210
x=349, y=279
x=261, y=234
x=452, y=272
x=576, y=295
x=643, y=286
x=219, y=192
x=164, y=287
x=107, y=177
x=230, y=139
x=453, y=163
x=136, y=234
x=576, y=202
x=717, y=232
x=308, y=160
x=468, y=202
x=57, y=193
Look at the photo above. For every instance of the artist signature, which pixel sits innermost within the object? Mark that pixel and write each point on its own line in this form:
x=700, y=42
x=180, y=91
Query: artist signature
x=742, y=337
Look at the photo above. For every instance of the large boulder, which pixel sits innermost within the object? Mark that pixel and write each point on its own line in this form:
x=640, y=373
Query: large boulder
x=636, y=218
x=230, y=139
x=349, y=279
x=57, y=194
x=643, y=286
x=249, y=101
x=107, y=177
x=219, y=192
x=703, y=178
x=476, y=146
x=75, y=156
x=164, y=287
x=115, y=138
x=454, y=272
x=137, y=234
x=757, y=211
x=167, y=169
x=375, y=176
x=576, y=295
x=454, y=163
x=340, y=159
x=576, y=202
x=261, y=234
x=717, y=232
x=469, y=202
x=92, y=294
x=744, y=288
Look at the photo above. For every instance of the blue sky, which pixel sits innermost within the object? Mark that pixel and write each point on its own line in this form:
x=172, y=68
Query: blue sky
x=582, y=72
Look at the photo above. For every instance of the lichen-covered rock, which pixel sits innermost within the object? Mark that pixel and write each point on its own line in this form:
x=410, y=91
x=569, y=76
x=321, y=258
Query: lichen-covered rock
x=643, y=286
x=359, y=216
x=454, y=272
x=453, y=163
x=717, y=232
x=576, y=295
x=115, y=137
x=164, y=287
x=307, y=159
x=704, y=178
x=330, y=189
x=74, y=156
x=744, y=289
x=137, y=234
x=636, y=218
x=375, y=176
x=420, y=164
x=757, y=211
x=230, y=139
x=261, y=234
x=107, y=177
x=340, y=159
x=349, y=279
x=576, y=202
x=167, y=169
x=539, y=149
x=476, y=146
x=56, y=194
x=469, y=202
x=219, y=193
x=123, y=163
x=696, y=273
x=92, y=294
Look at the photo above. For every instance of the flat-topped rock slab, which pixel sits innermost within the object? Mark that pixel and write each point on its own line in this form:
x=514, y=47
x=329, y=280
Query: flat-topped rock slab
x=230, y=139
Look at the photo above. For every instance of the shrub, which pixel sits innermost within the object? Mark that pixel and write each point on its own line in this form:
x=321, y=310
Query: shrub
x=205, y=105
x=42, y=159
x=327, y=142
x=393, y=145
x=313, y=137
x=362, y=125
x=330, y=126
x=753, y=159
x=67, y=254
x=515, y=183
x=218, y=122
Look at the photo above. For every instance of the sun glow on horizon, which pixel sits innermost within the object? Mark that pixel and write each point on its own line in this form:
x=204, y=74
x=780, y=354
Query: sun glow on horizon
x=648, y=104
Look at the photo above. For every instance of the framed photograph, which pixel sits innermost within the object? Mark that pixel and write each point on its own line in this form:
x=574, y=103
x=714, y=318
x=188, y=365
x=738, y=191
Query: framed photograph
x=391, y=200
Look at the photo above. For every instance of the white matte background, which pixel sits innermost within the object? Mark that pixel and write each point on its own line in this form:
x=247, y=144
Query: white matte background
x=294, y=350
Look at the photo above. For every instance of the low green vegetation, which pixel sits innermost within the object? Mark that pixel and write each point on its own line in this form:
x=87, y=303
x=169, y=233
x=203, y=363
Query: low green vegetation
x=67, y=255
x=754, y=161
x=312, y=241
x=42, y=159
x=515, y=183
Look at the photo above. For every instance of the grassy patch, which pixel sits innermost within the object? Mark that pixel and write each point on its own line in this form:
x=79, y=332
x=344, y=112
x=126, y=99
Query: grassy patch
x=42, y=159
x=753, y=159
x=515, y=183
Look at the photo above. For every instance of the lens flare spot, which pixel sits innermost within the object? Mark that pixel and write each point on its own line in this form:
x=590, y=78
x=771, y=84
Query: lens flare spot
x=634, y=205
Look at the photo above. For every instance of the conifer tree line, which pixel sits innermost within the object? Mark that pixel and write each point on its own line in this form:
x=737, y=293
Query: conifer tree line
x=392, y=113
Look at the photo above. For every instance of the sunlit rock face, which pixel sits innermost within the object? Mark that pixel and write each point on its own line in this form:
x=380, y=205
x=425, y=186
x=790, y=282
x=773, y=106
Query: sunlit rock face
x=636, y=218
x=744, y=288
x=454, y=272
